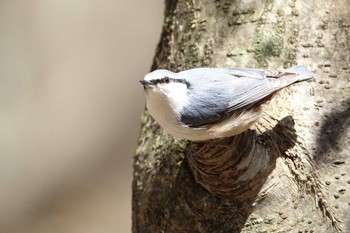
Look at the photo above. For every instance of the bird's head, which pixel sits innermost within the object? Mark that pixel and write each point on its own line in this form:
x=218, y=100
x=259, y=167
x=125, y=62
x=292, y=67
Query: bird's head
x=166, y=84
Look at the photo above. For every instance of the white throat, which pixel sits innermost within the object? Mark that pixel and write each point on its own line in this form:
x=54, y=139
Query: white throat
x=176, y=94
x=166, y=102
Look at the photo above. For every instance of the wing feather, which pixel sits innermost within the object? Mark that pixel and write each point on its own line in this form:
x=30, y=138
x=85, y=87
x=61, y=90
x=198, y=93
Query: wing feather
x=218, y=92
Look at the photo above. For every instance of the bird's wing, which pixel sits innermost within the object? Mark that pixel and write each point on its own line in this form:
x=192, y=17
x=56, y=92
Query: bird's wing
x=254, y=90
x=219, y=92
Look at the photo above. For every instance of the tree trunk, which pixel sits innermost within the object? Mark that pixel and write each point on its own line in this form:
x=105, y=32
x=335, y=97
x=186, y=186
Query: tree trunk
x=289, y=173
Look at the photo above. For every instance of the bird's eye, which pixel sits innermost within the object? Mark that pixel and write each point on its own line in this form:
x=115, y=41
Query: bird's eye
x=166, y=79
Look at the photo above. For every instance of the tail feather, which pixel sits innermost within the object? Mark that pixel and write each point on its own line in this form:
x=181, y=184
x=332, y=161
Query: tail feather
x=303, y=71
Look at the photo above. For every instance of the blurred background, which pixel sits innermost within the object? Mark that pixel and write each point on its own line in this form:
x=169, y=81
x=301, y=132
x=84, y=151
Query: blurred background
x=70, y=104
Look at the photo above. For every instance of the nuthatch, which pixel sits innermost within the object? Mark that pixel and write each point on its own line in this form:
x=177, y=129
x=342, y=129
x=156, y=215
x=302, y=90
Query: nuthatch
x=208, y=103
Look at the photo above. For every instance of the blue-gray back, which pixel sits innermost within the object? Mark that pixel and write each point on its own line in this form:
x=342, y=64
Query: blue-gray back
x=217, y=92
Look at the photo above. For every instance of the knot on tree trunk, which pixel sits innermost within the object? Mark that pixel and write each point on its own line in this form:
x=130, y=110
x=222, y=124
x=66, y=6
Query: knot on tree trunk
x=236, y=168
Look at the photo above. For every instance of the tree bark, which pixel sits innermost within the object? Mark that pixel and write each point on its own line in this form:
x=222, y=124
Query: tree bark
x=290, y=171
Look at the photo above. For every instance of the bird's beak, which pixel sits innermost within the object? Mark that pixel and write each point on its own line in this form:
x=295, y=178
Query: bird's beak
x=146, y=84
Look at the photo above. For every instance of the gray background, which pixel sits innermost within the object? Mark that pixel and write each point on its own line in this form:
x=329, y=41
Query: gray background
x=70, y=104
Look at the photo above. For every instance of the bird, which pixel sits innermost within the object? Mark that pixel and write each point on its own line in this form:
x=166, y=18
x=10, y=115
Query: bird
x=209, y=103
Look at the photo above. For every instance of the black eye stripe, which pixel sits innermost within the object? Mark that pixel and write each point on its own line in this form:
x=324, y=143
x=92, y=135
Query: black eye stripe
x=170, y=80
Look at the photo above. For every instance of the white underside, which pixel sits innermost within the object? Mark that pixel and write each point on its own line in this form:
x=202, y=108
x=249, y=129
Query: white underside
x=162, y=111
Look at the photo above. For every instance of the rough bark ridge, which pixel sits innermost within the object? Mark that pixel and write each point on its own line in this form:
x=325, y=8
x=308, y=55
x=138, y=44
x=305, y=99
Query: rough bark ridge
x=290, y=172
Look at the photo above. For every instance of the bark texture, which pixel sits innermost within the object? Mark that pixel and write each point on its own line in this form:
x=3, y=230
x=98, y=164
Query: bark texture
x=290, y=172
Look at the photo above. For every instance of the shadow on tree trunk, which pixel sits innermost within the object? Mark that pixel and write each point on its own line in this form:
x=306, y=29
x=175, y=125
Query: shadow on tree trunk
x=332, y=130
x=231, y=173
